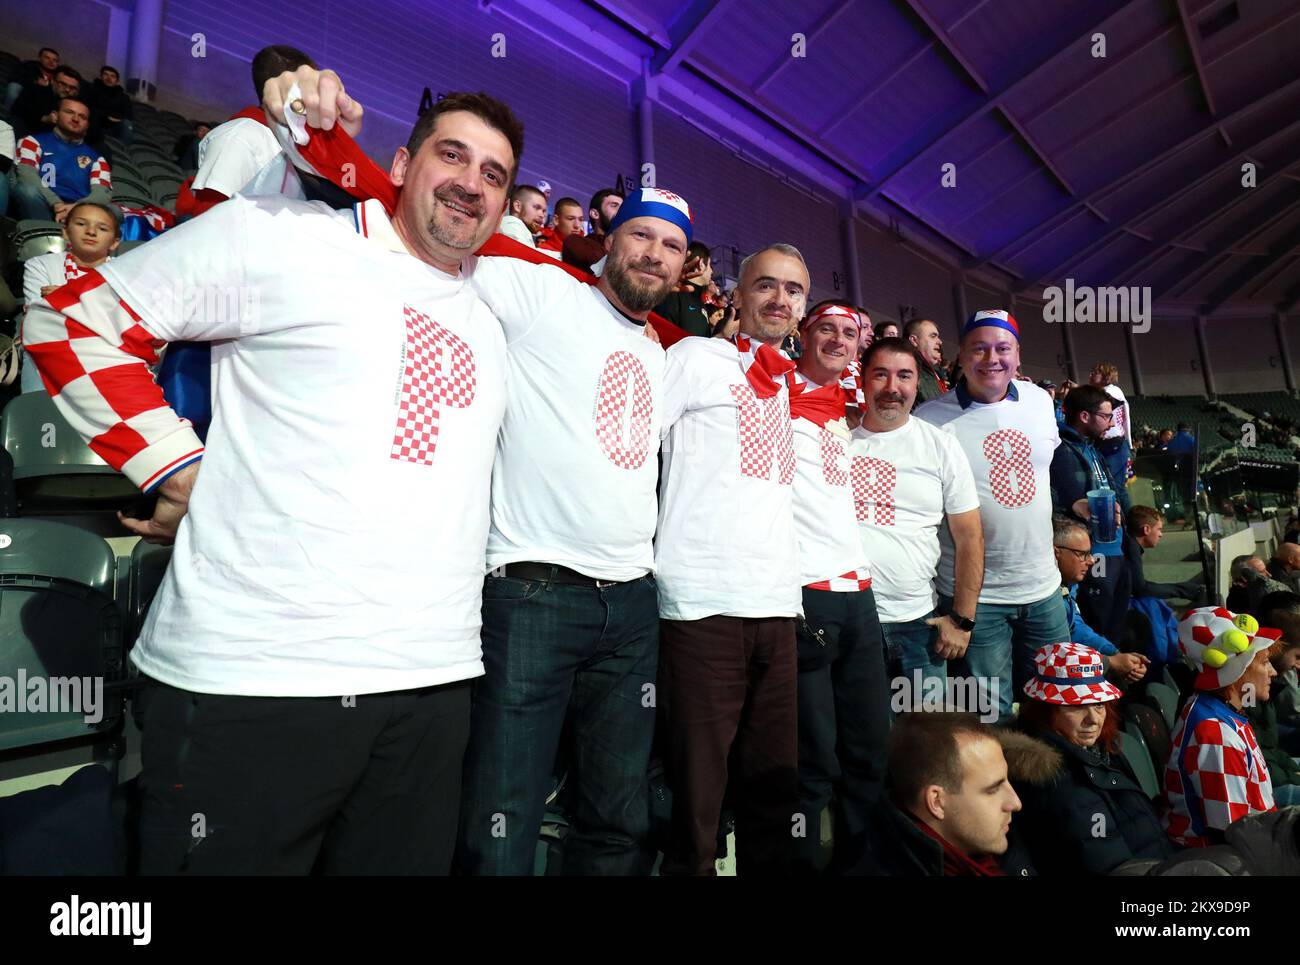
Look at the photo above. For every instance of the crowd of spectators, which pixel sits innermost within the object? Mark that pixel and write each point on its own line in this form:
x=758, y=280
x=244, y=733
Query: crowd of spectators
x=892, y=520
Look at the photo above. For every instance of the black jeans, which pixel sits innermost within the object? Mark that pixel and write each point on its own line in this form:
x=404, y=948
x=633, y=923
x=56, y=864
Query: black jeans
x=843, y=720
x=554, y=651
x=287, y=785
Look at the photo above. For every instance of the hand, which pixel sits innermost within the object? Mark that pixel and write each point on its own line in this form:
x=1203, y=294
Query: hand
x=1128, y=667
x=322, y=95
x=952, y=642
x=46, y=289
x=61, y=211
x=50, y=118
x=651, y=333
x=173, y=502
x=691, y=267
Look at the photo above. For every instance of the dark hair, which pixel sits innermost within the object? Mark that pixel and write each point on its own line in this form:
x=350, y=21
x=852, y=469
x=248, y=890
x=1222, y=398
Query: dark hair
x=112, y=68
x=913, y=327
x=1140, y=516
x=67, y=71
x=570, y=202
x=50, y=49
x=75, y=97
x=523, y=189
x=698, y=249
x=113, y=215
x=496, y=114
x=599, y=197
x=923, y=750
x=1083, y=398
x=275, y=60
x=1036, y=718
x=897, y=346
x=881, y=326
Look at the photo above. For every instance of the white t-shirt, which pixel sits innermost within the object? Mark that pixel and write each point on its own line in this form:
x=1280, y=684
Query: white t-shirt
x=1009, y=445
x=905, y=483
x=726, y=543
x=831, y=557
x=242, y=156
x=513, y=227
x=577, y=464
x=1121, y=426
x=335, y=538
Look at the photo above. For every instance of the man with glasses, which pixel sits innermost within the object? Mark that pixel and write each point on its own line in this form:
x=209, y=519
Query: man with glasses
x=1077, y=468
x=1074, y=558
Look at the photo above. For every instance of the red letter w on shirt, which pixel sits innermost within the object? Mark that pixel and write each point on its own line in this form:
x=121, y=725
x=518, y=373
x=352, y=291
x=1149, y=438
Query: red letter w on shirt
x=764, y=426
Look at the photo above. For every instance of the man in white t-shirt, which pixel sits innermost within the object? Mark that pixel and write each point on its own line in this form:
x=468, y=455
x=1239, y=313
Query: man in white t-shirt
x=570, y=612
x=1008, y=432
x=843, y=694
x=311, y=646
x=728, y=568
x=526, y=216
x=911, y=481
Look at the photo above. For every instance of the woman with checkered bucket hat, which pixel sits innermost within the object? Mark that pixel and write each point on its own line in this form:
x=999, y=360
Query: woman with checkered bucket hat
x=1217, y=772
x=1084, y=811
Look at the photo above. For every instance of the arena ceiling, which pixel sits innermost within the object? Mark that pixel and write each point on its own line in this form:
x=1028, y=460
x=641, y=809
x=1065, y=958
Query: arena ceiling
x=1124, y=169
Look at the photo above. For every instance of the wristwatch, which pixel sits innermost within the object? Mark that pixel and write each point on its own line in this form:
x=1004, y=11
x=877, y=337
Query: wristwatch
x=962, y=623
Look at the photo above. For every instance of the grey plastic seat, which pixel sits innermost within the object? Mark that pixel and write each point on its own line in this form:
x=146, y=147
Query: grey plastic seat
x=1133, y=748
x=148, y=565
x=54, y=469
x=60, y=632
x=32, y=238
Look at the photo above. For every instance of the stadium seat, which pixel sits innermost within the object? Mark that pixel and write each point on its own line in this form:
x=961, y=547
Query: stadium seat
x=1164, y=699
x=54, y=469
x=34, y=238
x=1167, y=678
x=57, y=620
x=1155, y=735
x=132, y=186
x=1134, y=750
x=148, y=565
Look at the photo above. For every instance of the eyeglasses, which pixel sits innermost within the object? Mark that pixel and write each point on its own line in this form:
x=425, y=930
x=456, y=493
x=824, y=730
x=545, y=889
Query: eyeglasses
x=1085, y=556
x=1103, y=416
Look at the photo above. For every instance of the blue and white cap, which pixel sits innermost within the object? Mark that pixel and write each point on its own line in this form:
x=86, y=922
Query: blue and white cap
x=654, y=203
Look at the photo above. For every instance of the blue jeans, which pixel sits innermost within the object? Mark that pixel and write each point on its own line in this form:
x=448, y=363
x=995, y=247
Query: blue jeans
x=911, y=647
x=551, y=652
x=29, y=203
x=12, y=92
x=1004, y=642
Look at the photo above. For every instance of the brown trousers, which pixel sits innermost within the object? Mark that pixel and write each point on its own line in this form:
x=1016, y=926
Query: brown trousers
x=728, y=726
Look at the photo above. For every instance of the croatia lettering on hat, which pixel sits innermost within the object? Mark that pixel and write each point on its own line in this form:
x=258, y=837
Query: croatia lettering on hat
x=1069, y=674
x=994, y=317
x=654, y=203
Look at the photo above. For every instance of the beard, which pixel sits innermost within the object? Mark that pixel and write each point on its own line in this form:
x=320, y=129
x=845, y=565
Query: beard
x=635, y=295
x=455, y=235
x=888, y=415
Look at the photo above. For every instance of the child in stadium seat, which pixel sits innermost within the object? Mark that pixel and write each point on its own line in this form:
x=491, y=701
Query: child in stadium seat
x=92, y=232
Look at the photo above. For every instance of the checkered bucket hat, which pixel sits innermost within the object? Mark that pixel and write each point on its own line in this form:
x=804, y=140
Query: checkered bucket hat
x=1070, y=674
x=1219, y=644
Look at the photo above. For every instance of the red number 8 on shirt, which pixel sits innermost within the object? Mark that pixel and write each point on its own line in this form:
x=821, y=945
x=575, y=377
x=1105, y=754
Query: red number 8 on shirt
x=1011, y=471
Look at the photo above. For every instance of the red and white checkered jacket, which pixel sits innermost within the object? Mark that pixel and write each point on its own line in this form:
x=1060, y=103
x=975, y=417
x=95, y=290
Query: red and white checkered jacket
x=1216, y=772
x=93, y=353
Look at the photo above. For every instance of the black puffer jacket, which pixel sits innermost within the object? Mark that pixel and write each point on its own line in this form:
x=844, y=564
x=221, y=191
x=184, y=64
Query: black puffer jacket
x=1083, y=811
x=1264, y=843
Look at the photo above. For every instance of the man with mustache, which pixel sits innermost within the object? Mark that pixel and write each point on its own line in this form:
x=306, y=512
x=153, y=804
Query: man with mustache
x=313, y=640
x=728, y=568
x=912, y=481
x=1008, y=432
x=843, y=697
x=570, y=610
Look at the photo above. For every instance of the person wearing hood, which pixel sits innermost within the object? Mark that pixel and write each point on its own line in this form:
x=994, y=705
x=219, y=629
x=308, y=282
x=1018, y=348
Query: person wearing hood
x=1084, y=812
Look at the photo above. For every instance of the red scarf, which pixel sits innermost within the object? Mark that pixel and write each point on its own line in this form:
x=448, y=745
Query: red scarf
x=958, y=865
x=764, y=367
x=819, y=404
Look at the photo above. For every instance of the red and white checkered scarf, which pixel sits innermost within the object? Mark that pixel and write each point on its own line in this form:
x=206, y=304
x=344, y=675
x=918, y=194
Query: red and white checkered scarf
x=766, y=368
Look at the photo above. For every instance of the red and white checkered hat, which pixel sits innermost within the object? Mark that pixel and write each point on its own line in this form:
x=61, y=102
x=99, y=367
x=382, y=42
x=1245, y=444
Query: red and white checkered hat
x=1070, y=674
x=1219, y=644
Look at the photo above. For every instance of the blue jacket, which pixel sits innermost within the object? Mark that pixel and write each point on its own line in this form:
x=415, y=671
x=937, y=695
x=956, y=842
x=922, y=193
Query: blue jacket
x=1080, y=632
